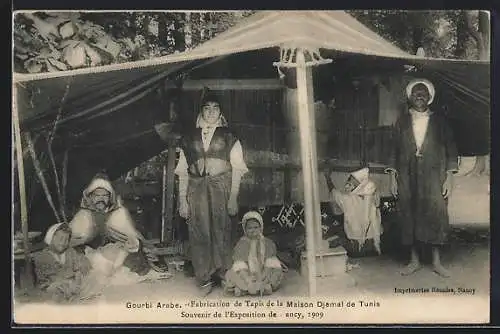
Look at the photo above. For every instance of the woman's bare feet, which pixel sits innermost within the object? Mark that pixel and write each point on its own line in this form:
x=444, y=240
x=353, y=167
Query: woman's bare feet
x=411, y=268
x=436, y=263
x=440, y=270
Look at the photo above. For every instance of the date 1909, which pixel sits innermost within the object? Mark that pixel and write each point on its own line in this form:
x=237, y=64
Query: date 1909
x=304, y=315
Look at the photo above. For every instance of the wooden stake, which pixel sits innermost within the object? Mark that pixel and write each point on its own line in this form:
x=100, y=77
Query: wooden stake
x=309, y=164
x=22, y=187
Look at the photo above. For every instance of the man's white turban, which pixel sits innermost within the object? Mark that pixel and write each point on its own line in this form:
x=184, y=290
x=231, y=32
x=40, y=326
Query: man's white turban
x=427, y=83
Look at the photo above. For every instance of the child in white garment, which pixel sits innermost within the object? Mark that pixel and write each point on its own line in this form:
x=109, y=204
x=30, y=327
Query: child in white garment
x=359, y=201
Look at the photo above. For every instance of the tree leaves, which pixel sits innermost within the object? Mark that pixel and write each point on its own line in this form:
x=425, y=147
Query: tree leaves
x=45, y=29
x=74, y=55
x=57, y=65
x=436, y=31
x=68, y=40
x=93, y=39
x=67, y=30
x=107, y=44
x=80, y=54
x=33, y=65
x=45, y=60
x=93, y=57
x=61, y=41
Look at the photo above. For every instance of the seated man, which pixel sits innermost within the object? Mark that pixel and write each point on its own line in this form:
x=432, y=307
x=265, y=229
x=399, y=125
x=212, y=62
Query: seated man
x=359, y=202
x=256, y=269
x=60, y=269
x=102, y=219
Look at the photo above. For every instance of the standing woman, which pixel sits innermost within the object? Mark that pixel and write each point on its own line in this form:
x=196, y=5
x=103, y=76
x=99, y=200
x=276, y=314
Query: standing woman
x=210, y=168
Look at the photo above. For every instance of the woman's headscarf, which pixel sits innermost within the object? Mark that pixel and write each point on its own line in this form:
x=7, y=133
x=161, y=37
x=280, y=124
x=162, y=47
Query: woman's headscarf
x=200, y=121
x=52, y=231
x=255, y=262
x=427, y=83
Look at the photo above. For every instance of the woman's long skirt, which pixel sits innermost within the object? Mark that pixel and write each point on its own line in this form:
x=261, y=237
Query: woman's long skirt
x=209, y=225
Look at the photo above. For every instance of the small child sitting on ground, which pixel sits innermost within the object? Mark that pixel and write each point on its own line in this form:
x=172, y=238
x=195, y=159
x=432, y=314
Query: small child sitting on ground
x=60, y=269
x=65, y=274
x=256, y=269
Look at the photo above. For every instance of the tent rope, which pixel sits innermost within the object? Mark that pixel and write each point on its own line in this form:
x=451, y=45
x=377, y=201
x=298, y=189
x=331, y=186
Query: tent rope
x=39, y=172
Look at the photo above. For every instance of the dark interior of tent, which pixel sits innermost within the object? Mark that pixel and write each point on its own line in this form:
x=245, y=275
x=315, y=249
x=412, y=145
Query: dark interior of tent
x=106, y=121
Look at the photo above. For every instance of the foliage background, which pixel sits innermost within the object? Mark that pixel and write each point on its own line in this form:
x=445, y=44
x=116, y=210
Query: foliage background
x=56, y=41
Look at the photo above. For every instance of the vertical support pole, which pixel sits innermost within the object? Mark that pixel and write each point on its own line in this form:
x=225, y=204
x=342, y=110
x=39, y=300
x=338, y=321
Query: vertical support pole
x=168, y=180
x=314, y=172
x=169, y=192
x=314, y=162
x=309, y=165
x=364, y=161
x=22, y=186
x=163, y=202
x=290, y=106
x=361, y=128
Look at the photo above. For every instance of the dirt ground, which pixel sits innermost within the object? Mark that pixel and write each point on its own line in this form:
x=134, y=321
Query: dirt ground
x=468, y=263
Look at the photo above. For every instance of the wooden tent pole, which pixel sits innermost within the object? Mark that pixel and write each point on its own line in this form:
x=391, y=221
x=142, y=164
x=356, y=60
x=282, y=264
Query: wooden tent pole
x=314, y=172
x=307, y=140
x=22, y=186
x=169, y=177
x=163, y=186
x=170, y=185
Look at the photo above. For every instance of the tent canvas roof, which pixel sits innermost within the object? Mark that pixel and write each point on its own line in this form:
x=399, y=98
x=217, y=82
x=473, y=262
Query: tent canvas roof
x=114, y=94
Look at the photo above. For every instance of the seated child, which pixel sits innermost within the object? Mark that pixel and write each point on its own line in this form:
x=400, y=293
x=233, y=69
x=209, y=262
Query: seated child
x=359, y=202
x=60, y=270
x=256, y=269
x=65, y=274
